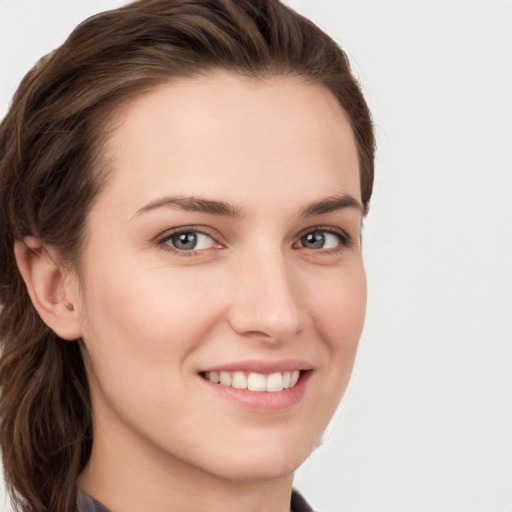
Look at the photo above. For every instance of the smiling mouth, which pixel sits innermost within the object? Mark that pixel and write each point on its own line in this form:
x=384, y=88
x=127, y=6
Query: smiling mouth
x=253, y=381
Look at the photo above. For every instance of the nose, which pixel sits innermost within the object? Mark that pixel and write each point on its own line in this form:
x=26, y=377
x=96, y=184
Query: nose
x=266, y=300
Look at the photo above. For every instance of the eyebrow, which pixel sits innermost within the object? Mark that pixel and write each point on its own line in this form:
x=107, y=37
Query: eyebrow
x=194, y=204
x=332, y=204
x=221, y=208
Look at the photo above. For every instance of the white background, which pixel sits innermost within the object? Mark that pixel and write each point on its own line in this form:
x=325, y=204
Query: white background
x=427, y=422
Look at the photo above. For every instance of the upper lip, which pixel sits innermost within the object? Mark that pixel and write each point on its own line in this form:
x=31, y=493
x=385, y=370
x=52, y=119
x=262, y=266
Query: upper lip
x=260, y=366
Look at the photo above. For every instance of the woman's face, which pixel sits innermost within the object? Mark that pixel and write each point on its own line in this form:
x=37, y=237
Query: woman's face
x=225, y=245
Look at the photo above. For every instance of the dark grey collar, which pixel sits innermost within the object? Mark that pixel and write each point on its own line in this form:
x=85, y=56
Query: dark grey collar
x=87, y=504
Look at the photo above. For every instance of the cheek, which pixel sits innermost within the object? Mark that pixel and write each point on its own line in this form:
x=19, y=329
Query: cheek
x=140, y=328
x=138, y=333
x=338, y=310
x=150, y=307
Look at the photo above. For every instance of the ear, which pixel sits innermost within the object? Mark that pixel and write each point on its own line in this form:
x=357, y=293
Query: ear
x=53, y=291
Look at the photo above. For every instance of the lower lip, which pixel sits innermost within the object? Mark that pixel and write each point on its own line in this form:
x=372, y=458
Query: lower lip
x=263, y=401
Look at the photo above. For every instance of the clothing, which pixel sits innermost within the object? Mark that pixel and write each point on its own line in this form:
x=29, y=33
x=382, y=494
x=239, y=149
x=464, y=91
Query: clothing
x=87, y=504
x=299, y=504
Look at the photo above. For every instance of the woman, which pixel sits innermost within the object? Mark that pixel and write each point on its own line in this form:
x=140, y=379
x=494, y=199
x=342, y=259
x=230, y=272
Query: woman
x=182, y=189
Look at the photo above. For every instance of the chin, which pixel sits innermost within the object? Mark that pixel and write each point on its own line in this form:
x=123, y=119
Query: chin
x=263, y=460
x=263, y=469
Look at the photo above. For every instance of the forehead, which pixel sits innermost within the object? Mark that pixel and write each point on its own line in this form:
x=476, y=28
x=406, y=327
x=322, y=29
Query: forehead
x=228, y=135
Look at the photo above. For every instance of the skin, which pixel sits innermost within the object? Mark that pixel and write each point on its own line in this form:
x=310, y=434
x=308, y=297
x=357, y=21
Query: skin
x=152, y=316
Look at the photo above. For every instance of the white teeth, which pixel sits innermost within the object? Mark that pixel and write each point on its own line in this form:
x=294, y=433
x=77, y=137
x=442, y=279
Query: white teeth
x=239, y=380
x=255, y=381
x=274, y=382
x=225, y=378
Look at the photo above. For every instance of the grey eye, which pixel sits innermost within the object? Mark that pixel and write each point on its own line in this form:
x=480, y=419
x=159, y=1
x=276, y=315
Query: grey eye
x=184, y=241
x=320, y=240
x=314, y=240
x=189, y=241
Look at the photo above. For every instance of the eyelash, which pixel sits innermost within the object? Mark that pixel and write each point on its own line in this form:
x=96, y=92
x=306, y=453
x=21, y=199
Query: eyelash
x=345, y=240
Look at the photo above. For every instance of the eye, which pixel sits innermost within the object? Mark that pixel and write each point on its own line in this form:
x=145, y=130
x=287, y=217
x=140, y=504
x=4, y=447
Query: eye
x=189, y=241
x=323, y=239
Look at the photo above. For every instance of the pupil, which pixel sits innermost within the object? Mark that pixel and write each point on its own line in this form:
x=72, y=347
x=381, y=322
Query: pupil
x=185, y=241
x=314, y=240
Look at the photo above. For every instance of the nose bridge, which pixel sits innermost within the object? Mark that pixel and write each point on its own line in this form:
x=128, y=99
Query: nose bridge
x=266, y=301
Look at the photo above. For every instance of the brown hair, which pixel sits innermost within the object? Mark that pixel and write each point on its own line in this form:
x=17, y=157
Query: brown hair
x=50, y=173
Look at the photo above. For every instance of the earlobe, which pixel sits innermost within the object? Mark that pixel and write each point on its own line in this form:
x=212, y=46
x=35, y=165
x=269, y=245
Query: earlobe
x=53, y=295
